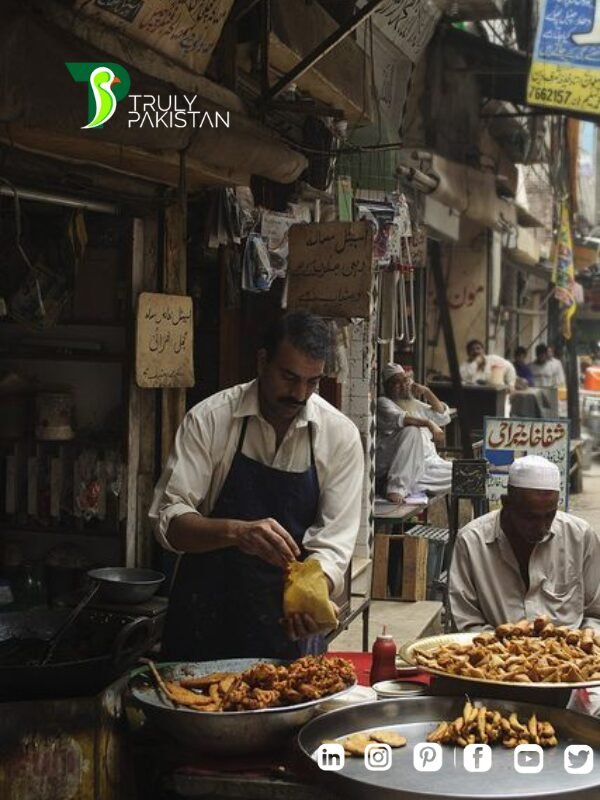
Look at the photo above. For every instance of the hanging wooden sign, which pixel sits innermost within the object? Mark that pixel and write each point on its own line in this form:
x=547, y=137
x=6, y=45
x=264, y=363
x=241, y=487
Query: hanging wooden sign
x=164, y=356
x=330, y=268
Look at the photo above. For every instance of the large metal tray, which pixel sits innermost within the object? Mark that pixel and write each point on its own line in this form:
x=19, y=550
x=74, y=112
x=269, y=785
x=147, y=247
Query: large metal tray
x=414, y=719
x=223, y=732
x=431, y=642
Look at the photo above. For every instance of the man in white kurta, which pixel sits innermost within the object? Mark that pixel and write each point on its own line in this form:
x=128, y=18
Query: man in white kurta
x=527, y=559
x=408, y=429
x=486, y=368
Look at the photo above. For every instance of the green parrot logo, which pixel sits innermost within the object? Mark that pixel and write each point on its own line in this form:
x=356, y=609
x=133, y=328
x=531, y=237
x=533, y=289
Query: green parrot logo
x=107, y=85
x=102, y=80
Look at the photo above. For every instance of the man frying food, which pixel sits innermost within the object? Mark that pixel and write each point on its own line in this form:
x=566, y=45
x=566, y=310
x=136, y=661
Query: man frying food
x=527, y=559
x=260, y=475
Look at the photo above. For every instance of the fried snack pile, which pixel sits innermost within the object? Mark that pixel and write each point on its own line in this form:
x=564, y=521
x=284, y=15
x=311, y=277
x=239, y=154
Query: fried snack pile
x=485, y=726
x=263, y=685
x=356, y=743
x=526, y=652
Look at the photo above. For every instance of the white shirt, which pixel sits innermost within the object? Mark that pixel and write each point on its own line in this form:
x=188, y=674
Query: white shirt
x=470, y=372
x=486, y=587
x=390, y=417
x=206, y=443
x=550, y=373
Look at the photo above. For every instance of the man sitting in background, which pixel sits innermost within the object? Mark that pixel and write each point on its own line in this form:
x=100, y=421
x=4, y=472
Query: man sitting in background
x=547, y=370
x=481, y=368
x=408, y=430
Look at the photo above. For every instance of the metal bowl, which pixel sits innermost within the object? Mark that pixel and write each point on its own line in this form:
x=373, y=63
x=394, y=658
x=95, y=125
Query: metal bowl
x=225, y=732
x=126, y=585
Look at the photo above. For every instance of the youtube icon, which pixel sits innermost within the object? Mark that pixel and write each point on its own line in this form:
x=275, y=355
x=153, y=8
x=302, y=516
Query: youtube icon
x=529, y=759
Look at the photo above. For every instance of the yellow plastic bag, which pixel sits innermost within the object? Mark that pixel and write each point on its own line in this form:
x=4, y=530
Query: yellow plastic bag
x=305, y=591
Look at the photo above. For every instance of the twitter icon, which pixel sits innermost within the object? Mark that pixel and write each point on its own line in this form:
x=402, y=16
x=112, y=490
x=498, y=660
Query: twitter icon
x=579, y=759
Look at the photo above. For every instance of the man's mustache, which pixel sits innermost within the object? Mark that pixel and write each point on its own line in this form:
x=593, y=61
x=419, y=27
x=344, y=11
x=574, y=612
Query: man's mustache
x=288, y=401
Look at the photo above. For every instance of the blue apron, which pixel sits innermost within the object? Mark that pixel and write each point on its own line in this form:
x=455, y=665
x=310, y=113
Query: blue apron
x=228, y=604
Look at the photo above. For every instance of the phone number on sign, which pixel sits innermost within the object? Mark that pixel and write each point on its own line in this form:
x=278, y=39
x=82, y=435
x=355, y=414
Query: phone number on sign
x=560, y=96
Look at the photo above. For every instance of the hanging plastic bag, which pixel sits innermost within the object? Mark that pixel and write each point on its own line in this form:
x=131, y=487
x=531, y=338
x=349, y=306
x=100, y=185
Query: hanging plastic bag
x=257, y=273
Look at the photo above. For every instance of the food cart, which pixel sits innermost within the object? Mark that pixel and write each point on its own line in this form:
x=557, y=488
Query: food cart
x=175, y=765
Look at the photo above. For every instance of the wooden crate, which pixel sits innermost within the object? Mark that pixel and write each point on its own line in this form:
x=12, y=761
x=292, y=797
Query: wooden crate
x=413, y=579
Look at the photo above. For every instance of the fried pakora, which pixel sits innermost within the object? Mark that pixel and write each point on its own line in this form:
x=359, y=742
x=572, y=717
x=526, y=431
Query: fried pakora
x=525, y=652
x=487, y=726
x=262, y=685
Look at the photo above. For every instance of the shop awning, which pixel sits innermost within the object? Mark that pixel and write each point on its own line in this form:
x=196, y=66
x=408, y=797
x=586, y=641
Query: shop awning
x=469, y=191
x=502, y=73
x=471, y=9
x=526, y=248
x=43, y=110
x=340, y=79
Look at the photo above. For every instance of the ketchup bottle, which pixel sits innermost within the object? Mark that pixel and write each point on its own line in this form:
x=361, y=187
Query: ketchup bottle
x=383, y=666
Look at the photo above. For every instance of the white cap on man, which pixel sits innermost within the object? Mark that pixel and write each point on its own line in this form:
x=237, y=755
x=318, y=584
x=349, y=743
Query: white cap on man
x=390, y=370
x=534, y=472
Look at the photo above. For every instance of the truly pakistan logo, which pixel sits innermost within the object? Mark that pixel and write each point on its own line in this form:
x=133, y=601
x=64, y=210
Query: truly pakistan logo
x=109, y=83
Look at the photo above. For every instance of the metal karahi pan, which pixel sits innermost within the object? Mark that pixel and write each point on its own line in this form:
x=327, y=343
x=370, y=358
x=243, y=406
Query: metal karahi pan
x=109, y=645
x=222, y=733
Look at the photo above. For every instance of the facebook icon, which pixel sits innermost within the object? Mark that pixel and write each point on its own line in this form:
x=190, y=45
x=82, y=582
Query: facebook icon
x=477, y=758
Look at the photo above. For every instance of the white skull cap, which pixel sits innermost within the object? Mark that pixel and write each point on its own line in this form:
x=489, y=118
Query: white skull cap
x=390, y=370
x=534, y=472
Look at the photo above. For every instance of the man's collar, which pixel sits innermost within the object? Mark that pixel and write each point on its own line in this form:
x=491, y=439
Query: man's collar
x=249, y=406
x=495, y=532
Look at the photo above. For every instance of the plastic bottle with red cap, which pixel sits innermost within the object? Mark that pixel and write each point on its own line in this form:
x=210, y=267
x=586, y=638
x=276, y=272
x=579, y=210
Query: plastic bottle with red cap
x=383, y=665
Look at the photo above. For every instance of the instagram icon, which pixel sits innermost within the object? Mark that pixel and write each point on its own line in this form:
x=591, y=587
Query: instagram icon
x=378, y=757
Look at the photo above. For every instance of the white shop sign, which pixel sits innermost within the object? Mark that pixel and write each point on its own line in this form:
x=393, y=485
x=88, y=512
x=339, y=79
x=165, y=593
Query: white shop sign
x=507, y=439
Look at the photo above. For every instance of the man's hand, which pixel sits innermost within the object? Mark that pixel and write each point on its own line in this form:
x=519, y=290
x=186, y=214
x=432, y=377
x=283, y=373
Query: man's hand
x=438, y=435
x=301, y=626
x=268, y=540
x=421, y=392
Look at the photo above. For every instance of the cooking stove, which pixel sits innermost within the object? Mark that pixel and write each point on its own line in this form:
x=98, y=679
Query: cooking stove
x=153, y=607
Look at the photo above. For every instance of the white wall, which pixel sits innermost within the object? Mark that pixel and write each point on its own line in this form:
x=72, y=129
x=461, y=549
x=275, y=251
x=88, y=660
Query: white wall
x=465, y=266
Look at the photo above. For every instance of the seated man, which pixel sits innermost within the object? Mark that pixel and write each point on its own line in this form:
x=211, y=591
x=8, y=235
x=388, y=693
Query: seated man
x=482, y=368
x=526, y=559
x=408, y=429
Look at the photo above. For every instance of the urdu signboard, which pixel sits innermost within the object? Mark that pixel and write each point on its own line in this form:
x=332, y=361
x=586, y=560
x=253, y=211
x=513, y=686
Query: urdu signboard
x=508, y=439
x=565, y=69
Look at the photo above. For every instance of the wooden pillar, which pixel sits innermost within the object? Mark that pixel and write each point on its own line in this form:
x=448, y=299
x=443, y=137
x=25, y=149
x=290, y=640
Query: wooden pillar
x=174, y=282
x=148, y=409
x=141, y=429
